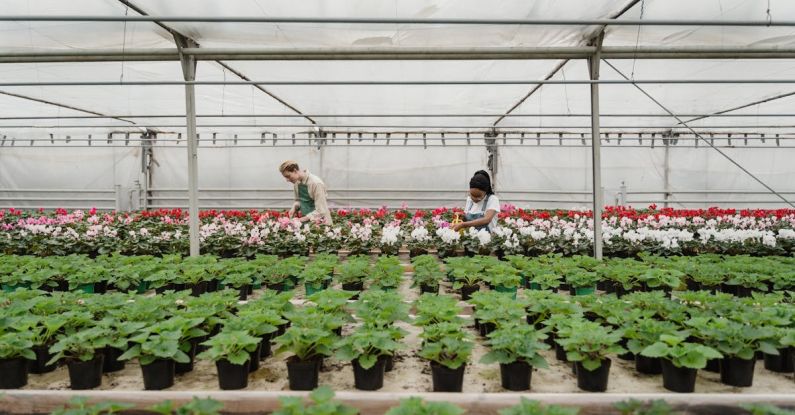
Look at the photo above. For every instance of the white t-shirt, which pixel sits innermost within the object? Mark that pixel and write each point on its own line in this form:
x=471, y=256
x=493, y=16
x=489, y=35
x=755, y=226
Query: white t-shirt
x=493, y=204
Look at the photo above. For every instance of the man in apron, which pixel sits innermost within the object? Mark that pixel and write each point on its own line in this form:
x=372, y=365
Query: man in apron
x=310, y=193
x=482, y=205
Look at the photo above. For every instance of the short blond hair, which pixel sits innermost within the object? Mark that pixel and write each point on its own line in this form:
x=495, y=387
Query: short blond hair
x=289, y=165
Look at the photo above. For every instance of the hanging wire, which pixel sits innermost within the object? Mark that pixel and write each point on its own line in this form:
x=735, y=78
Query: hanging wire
x=123, y=45
x=565, y=90
x=223, y=91
x=769, y=15
x=637, y=39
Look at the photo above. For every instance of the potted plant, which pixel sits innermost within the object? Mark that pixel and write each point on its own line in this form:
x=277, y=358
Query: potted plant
x=160, y=346
x=448, y=355
x=315, y=278
x=387, y=273
x=43, y=330
x=589, y=344
x=516, y=348
x=582, y=282
x=680, y=361
x=503, y=278
x=738, y=343
x=258, y=322
x=785, y=360
x=365, y=349
x=16, y=350
x=308, y=344
x=641, y=334
x=418, y=406
x=493, y=311
x=231, y=351
x=434, y=309
x=321, y=403
x=82, y=351
x=284, y=273
x=119, y=336
x=353, y=272
x=240, y=276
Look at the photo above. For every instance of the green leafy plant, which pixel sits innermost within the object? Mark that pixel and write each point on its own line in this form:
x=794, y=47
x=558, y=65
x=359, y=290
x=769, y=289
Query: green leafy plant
x=589, y=343
x=169, y=339
x=635, y=407
x=196, y=406
x=528, y=407
x=517, y=342
x=82, y=345
x=381, y=308
x=580, y=278
x=322, y=403
x=661, y=278
x=355, y=269
x=417, y=406
x=644, y=332
x=366, y=345
x=502, y=275
x=387, y=272
x=78, y=405
x=306, y=342
x=232, y=345
x=13, y=345
x=680, y=353
x=451, y=348
x=432, y=309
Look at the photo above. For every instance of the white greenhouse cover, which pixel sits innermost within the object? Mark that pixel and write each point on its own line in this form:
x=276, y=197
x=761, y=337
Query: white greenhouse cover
x=359, y=167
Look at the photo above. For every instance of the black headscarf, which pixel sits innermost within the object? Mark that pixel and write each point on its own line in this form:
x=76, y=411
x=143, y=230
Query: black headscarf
x=482, y=181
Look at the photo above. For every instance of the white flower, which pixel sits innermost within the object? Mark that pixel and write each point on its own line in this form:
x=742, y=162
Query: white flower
x=420, y=234
x=448, y=235
x=484, y=237
x=389, y=235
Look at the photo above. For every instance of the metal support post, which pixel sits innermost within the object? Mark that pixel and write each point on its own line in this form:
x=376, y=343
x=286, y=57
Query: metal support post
x=189, y=73
x=596, y=155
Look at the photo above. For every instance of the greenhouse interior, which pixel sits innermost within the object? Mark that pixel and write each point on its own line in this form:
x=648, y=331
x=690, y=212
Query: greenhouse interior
x=388, y=207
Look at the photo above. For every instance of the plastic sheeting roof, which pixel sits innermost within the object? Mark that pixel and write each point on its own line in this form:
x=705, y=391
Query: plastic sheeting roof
x=438, y=99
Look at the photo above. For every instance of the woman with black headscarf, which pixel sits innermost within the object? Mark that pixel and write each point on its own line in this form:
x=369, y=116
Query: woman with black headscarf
x=482, y=205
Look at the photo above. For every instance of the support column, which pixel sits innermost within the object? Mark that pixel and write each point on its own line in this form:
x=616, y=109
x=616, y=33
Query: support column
x=189, y=73
x=667, y=172
x=596, y=153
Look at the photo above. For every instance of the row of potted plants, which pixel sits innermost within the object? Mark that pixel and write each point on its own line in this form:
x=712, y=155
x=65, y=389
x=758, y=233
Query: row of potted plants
x=627, y=232
x=693, y=330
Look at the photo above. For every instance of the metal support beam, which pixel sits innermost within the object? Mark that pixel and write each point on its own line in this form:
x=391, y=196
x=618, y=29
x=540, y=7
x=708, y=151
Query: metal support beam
x=596, y=154
x=189, y=73
x=378, y=54
x=667, y=173
x=401, y=21
x=494, y=156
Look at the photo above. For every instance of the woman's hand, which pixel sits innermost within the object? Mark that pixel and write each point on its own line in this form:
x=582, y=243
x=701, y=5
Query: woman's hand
x=458, y=226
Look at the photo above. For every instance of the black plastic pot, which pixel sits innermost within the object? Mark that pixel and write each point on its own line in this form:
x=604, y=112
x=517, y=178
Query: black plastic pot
x=648, y=365
x=180, y=368
x=277, y=286
x=389, y=362
x=100, y=287
x=43, y=356
x=486, y=328
x=85, y=375
x=593, y=381
x=232, y=376
x=243, y=292
x=158, y=375
x=265, y=347
x=111, y=362
x=433, y=289
x=737, y=372
x=516, y=376
x=560, y=353
x=15, y=373
x=303, y=374
x=446, y=379
x=371, y=379
x=212, y=285
x=729, y=289
x=253, y=360
x=198, y=289
x=468, y=290
x=628, y=355
x=781, y=363
x=354, y=286
x=713, y=366
x=743, y=291
x=282, y=328
x=678, y=379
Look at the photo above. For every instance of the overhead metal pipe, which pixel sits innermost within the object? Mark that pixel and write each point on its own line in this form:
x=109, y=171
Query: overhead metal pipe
x=402, y=21
x=409, y=83
x=473, y=115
